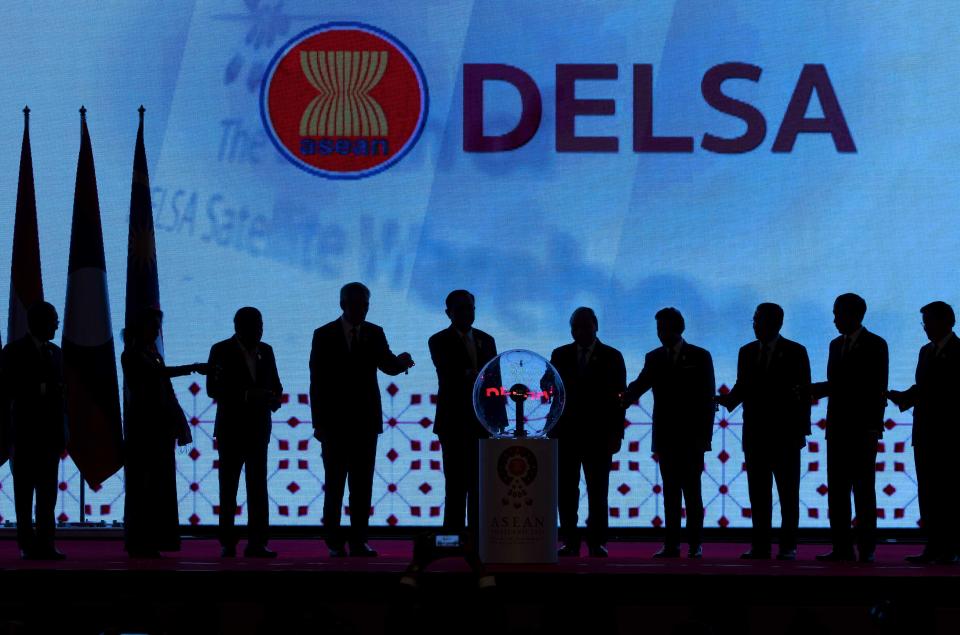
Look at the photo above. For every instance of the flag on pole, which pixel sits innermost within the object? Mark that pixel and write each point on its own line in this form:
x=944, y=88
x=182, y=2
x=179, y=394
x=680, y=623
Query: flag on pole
x=26, y=281
x=89, y=361
x=26, y=285
x=143, y=285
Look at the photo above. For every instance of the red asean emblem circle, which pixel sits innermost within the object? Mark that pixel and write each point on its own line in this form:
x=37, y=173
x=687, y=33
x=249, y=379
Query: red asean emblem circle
x=344, y=100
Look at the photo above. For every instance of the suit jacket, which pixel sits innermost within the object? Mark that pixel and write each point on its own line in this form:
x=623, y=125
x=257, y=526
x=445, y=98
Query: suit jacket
x=152, y=416
x=455, y=379
x=344, y=392
x=856, y=386
x=33, y=384
x=683, y=407
x=592, y=409
x=776, y=399
x=243, y=404
x=936, y=418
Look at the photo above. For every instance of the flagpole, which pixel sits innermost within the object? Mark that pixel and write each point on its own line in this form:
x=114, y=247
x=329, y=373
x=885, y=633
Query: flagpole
x=83, y=483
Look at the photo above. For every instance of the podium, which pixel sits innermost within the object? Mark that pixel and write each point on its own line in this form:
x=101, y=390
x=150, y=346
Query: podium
x=518, y=465
x=518, y=501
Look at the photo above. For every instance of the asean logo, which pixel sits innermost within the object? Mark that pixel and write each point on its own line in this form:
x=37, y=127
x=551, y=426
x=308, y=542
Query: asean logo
x=344, y=100
x=517, y=468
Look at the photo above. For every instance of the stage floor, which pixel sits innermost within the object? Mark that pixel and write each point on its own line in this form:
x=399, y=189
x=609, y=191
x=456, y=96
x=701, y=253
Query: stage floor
x=203, y=555
x=99, y=590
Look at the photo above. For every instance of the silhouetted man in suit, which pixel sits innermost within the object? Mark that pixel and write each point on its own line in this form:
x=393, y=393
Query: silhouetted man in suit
x=773, y=384
x=856, y=389
x=589, y=431
x=33, y=382
x=936, y=433
x=243, y=380
x=681, y=376
x=347, y=416
x=459, y=352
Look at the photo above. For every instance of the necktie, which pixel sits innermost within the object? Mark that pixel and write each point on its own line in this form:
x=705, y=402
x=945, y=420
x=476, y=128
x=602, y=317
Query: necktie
x=252, y=363
x=46, y=366
x=47, y=354
x=847, y=344
x=582, y=361
x=471, y=349
x=354, y=340
x=764, y=356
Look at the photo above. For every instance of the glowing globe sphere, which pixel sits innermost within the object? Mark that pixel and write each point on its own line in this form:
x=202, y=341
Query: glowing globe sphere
x=518, y=394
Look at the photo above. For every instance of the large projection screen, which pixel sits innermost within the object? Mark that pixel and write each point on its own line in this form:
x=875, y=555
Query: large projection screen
x=864, y=202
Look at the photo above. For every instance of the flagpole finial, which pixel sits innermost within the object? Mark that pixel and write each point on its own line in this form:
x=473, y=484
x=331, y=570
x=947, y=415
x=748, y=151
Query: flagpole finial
x=141, y=110
x=26, y=112
x=83, y=112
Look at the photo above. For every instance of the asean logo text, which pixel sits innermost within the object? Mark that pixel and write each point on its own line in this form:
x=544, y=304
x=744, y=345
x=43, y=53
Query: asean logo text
x=344, y=100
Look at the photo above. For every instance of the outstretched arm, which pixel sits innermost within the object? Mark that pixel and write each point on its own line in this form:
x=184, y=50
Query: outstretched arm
x=388, y=362
x=908, y=398
x=735, y=396
x=185, y=369
x=640, y=385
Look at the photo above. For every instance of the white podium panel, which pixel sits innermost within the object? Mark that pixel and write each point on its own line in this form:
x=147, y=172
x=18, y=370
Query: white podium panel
x=518, y=501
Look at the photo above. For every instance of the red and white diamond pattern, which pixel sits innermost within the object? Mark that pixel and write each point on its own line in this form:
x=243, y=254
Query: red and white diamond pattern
x=408, y=487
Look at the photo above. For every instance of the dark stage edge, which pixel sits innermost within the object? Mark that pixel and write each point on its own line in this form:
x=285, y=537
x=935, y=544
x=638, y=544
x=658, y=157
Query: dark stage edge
x=98, y=589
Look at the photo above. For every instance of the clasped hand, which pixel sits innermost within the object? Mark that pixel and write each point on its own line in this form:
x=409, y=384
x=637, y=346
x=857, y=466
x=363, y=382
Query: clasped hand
x=896, y=396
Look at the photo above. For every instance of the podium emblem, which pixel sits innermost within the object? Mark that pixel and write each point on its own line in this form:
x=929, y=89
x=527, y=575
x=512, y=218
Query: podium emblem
x=517, y=468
